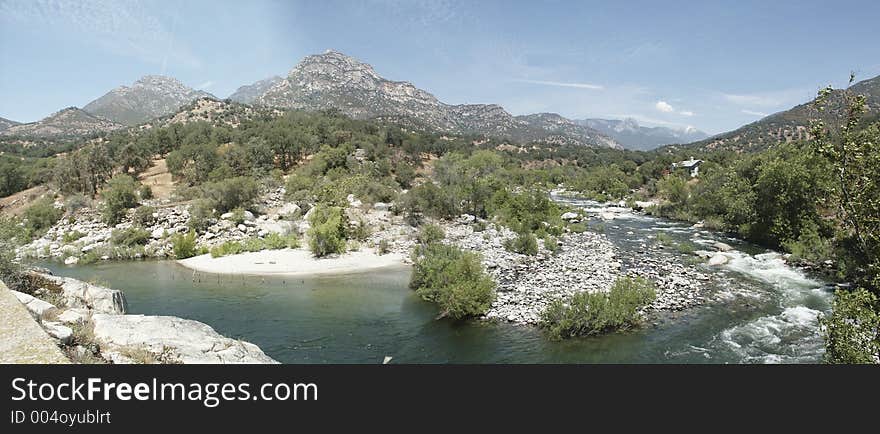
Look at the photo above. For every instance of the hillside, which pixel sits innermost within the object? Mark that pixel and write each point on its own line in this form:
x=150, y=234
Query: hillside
x=6, y=123
x=150, y=97
x=216, y=113
x=69, y=123
x=247, y=94
x=792, y=124
x=633, y=136
x=335, y=81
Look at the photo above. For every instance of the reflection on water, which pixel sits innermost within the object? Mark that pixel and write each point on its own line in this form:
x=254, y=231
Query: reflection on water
x=762, y=312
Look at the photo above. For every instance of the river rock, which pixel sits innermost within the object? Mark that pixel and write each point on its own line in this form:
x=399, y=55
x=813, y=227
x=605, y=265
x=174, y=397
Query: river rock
x=96, y=298
x=167, y=337
x=569, y=216
x=722, y=247
x=718, y=259
x=59, y=331
x=158, y=233
x=73, y=316
x=289, y=211
x=71, y=260
x=381, y=206
x=38, y=308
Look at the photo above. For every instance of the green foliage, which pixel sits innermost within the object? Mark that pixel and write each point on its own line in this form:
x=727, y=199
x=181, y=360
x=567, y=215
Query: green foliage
x=430, y=233
x=130, y=237
x=143, y=215
x=329, y=230
x=383, y=247
x=852, y=330
x=551, y=244
x=228, y=194
x=524, y=244
x=184, y=245
x=41, y=215
x=453, y=279
x=586, y=314
x=274, y=241
x=71, y=236
x=145, y=192
x=200, y=212
x=119, y=196
x=527, y=211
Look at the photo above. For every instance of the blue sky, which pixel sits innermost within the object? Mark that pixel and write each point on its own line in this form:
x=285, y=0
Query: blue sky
x=712, y=65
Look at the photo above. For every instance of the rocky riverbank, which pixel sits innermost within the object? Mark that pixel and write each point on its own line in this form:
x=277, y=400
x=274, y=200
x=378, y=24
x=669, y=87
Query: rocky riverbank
x=90, y=324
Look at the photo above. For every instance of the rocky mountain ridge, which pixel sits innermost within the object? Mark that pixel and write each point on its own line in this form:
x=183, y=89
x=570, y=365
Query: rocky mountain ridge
x=150, y=97
x=631, y=135
x=333, y=80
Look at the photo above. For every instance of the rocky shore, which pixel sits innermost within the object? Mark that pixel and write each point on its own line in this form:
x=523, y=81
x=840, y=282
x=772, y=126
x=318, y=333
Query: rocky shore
x=90, y=324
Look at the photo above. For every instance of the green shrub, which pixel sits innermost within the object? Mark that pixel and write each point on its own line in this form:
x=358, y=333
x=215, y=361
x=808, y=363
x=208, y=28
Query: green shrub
x=227, y=248
x=119, y=196
x=551, y=243
x=238, y=215
x=41, y=215
x=383, y=247
x=132, y=236
x=686, y=247
x=71, y=236
x=586, y=313
x=276, y=241
x=524, y=244
x=429, y=234
x=577, y=227
x=145, y=192
x=329, y=230
x=453, y=279
x=143, y=215
x=231, y=193
x=200, y=212
x=76, y=202
x=184, y=245
x=852, y=330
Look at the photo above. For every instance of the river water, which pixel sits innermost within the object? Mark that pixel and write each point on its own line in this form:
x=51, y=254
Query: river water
x=759, y=311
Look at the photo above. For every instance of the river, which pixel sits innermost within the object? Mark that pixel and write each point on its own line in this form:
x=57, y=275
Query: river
x=759, y=311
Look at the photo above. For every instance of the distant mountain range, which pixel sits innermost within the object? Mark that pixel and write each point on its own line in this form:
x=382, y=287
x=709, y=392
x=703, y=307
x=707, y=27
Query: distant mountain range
x=792, y=124
x=6, y=123
x=69, y=123
x=150, y=97
x=631, y=135
x=333, y=80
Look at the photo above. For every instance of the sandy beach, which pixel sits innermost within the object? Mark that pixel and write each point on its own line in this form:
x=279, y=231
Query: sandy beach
x=292, y=262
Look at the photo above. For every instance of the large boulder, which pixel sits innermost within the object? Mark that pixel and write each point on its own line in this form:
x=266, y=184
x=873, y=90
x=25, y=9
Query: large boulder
x=569, y=216
x=38, y=308
x=170, y=339
x=289, y=211
x=59, y=331
x=718, y=259
x=722, y=247
x=96, y=298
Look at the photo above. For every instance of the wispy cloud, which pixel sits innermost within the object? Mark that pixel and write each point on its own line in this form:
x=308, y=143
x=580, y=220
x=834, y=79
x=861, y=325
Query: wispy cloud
x=755, y=113
x=206, y=85
x=125, y=28
x=562, y=84
x=769, y=99
x=687, y=113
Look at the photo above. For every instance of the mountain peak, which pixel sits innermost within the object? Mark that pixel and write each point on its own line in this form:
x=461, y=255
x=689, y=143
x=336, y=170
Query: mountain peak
x=150, y=97
x=333, y=80
x=69, y=122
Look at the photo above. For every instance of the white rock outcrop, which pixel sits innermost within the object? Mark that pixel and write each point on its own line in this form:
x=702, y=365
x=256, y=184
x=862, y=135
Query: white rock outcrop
x=98, y=299
x=38, y=308
x=182, y=340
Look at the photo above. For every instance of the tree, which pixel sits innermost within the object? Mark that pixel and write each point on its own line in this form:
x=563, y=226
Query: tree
x=119, y=196
x=329, y=230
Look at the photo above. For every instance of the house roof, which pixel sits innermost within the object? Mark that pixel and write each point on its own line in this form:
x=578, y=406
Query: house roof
x=687, y=163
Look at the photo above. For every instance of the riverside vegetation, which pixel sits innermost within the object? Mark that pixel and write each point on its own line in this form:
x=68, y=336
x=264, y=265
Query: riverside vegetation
x=816, y=199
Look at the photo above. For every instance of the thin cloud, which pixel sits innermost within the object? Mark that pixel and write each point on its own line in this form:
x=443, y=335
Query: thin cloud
x=206, y=85
x=687, y=113
x=562, y=84
x=124, y=28
x=755, y=113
